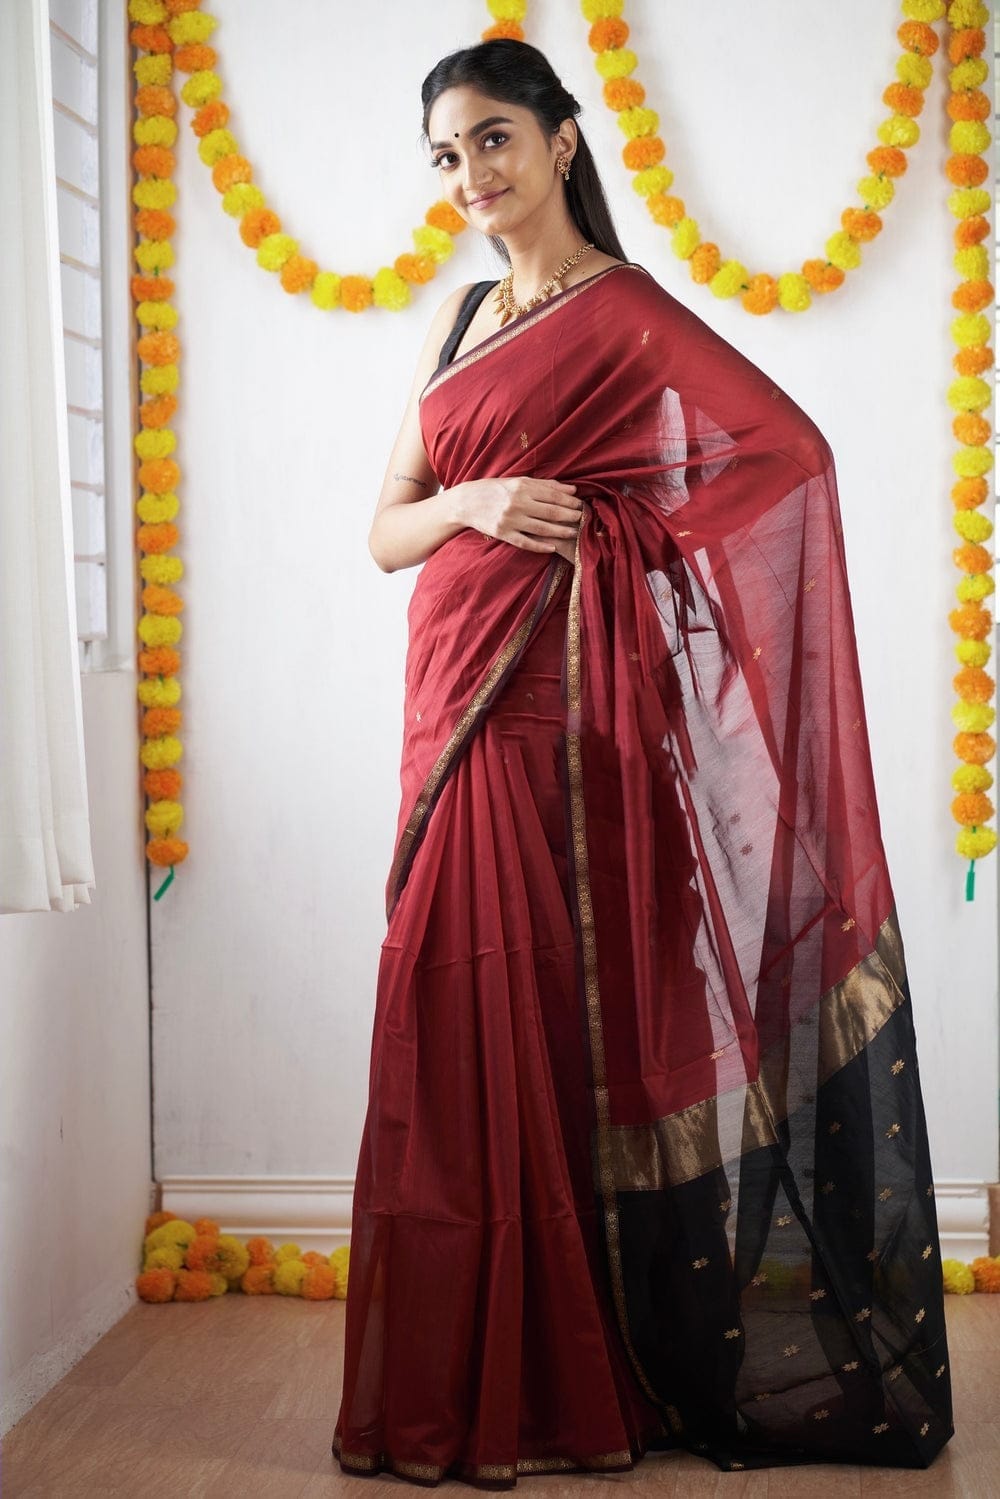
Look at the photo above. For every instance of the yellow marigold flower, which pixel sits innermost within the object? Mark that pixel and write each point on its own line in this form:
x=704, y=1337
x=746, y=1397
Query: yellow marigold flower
x=216, y=144
x=159, y=629
x=168, y=1257
x=843, y=251
x=156, y=68
x=326, y=290
x=638, y=121
x=966, y=778
x=157, y=568
x=201, y=87
x=729, y=279
x=618, y=62
x=154, y=192
x=241, y=197
x=599, y=10
x=968, y=74
x=973, y=718
x=155, y=444
x=436, y=243
x=686, y=238
x=958, y=1278
x=972, y=463
x=159, y=378
x=507, y=10
x=156, y=694
x=974, y=264
x=913, y=70
x=652, y=180
x=971, y=327
x=970, y=136
x=158, y=753
x=288, y=1277
x=974, y=588
x=164, y=818
x=876, y=192
x=968, y=202
x=155, y=254
x=274, y=250
x=191, y=26
x=975, y=845
x=160, y=315
x=972, y=525
x=899, y=130
x=968, y=393
x=153, y=508
x=793, y=292
x=971, y=13
x=155, y=130
x=147, y=12
x=389, y=289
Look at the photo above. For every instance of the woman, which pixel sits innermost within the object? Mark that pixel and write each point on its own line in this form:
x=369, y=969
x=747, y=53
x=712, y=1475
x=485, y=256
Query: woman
x=645, y=1162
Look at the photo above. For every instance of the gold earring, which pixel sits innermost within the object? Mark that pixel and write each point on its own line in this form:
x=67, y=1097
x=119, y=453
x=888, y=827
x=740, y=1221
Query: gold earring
x=562, y=165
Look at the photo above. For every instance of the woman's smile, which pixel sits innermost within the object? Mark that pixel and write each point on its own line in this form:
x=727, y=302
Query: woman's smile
x=487, y=198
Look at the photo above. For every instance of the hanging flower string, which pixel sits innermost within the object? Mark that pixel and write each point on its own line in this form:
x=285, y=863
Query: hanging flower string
x=969, y=395
x=154, y=132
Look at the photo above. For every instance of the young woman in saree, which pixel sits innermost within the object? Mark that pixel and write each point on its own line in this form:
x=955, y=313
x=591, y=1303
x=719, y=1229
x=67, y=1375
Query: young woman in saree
x=645, y=1162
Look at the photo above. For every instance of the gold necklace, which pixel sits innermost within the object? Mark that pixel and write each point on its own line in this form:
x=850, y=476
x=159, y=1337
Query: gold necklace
x=506, y=306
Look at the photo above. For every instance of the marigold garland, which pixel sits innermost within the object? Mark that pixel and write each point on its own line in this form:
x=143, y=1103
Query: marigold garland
x=194, y=1261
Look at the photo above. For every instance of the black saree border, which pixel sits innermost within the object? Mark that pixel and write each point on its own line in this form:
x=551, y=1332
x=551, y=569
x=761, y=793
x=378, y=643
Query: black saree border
x=469, y=720
x=503, y=336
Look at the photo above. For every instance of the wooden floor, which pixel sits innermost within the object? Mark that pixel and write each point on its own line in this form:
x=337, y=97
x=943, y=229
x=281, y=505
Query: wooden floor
x=238, y=1397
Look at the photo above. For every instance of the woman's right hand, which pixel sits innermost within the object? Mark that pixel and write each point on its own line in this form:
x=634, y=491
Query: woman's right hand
x=540, y=515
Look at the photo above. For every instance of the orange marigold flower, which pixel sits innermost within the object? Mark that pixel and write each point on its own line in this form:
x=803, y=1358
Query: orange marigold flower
x=159, y=475
x=260, y=1250
x=158, y=411
x=890, y=161
x=258, y=1280
x=162, y=785
x=970, y=232
x=211, y=116
x=167, y=851
x=355, y=293
x=859, y=224
x=972, y=683
x=298, y=273
x=970, y=557
x=915, y=36
x=971, y=104
x=822, y=276
x=761, y=295
x=665, y=209
x=968, y=494
x=230, y=169
x=159, y=348
x=986, y=1272
x=156, y=721
x=155, y=1285
x=192, y=1285
x=160, y=600
x=974, y=749
x=967, y=170
x=154, y=161
x=415, y=268
x=971, y=621
x=971, y=808
x=903, y=98
x=203, y=1253
x=443, y=216
x=151, y=39
x=256, y=223
x=512, y=30
x=155, y=223
x=607, y=33
x=704, y=263
x=178, y=7
x=159, y=660
x=972, y=296
x=151, y=288
x=972, y=429
x=195, y=57
x=969, y=42
x=319, y=1282
x=975, y=359
x=644, y=151
x=623, y=93
x=155, y=99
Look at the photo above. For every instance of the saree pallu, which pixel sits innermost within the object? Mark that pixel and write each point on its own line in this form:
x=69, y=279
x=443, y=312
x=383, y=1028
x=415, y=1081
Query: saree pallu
x=645, y=1163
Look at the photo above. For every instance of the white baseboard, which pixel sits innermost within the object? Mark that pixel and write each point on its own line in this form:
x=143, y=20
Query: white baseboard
x=315, y=1211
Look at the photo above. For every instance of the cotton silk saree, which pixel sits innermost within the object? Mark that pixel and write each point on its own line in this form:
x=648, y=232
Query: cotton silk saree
x=645, y=1163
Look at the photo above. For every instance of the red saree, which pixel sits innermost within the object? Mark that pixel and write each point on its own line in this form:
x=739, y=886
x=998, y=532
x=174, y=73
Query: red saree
x=645, y=1162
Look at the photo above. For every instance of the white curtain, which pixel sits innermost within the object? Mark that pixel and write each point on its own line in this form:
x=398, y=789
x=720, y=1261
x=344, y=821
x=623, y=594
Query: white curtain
x=45, y=854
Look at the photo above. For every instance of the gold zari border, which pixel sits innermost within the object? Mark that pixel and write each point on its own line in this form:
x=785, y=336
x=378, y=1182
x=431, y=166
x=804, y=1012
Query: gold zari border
x=365, y=1463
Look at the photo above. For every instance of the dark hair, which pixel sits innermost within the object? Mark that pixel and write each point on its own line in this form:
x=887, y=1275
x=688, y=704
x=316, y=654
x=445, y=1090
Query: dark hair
x=518, y=73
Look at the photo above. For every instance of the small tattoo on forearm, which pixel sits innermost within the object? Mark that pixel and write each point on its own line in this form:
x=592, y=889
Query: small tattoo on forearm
x=407, y=480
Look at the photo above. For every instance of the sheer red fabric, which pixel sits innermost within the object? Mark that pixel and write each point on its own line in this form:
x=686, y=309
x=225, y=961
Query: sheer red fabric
x=645, y=1162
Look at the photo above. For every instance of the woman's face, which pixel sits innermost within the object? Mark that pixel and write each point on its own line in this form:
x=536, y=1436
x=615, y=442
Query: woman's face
x=496, y=166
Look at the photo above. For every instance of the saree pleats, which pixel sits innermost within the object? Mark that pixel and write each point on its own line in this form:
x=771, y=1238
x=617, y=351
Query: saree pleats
x=645, y=1162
